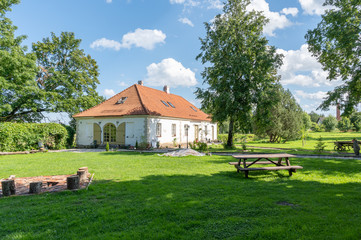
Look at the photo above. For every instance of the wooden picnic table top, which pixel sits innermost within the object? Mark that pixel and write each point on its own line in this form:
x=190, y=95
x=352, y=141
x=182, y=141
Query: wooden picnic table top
x=263, y=155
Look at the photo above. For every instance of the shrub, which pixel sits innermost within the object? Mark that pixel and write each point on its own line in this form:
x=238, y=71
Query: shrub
x=321, y=145
x=329, y=123
x=25, y=136
x=107, y=147
x=344, y=124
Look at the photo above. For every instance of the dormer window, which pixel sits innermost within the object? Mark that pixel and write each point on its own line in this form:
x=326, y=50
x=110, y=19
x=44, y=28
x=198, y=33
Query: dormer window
x=194, y=109
x=165, y=104
x=171, y=104
x=122, y=100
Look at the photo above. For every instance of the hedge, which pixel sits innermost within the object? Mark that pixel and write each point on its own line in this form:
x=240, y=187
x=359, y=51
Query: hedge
x=25, y=136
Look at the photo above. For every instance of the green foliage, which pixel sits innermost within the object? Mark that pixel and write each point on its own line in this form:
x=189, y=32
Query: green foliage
x=71, y=136
x=239, y=65
x=321, y=145
x=107, y=147
x=356, y=121
x=174, y=142
x=25, y=136
x=65, y=79
x=307, y=123
x=278, y=115
x=336, y=44
x=317, y=128
x=329, y=123
x=315, y=116
x=18, y=89
x=136, y=144
x=344, y=124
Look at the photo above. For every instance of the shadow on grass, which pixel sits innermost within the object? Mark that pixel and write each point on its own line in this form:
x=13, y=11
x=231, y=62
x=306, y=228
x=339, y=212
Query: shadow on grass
x=218, y=206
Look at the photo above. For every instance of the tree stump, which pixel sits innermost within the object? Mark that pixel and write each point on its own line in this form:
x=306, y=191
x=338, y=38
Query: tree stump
x=35, y=187
x=82, y=175
x=72, y=182
x=8, y=187
x=86, y=171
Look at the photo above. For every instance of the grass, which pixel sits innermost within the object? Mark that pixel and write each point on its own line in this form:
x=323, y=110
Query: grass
x=296, y=146
x=145, y=196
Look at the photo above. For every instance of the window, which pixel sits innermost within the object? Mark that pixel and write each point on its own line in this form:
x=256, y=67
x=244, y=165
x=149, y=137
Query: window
x=159, y=130
x=122, y=100
x=165, y=104
x=174, y=130
x=171, y=104
x=194, y=109
x=109, y=133
x=205, y=130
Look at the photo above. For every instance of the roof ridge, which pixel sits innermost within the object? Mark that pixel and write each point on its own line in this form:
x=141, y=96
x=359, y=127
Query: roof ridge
x=103, y=101
x=141, y=100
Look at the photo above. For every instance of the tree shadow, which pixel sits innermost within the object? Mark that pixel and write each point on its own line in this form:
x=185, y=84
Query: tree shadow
x=218, y=206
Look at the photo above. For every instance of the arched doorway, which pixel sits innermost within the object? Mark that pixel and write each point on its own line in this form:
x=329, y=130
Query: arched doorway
x=110, y=133
x=121, y=134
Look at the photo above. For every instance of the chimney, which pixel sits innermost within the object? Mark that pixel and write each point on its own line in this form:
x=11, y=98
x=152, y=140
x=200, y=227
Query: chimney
x=140, y=82
x=338, y=112
x=166, y=89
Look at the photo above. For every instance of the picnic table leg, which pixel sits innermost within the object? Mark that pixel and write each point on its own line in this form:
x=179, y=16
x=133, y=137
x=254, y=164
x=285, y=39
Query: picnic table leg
x=239, y=164
x=289, y=164
x=245, y=166
x=280, y=161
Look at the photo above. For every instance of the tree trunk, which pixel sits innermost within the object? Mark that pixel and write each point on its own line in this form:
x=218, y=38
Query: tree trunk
x=8, y=187
x=82, y=175
x=35, y=187
x=230, y=133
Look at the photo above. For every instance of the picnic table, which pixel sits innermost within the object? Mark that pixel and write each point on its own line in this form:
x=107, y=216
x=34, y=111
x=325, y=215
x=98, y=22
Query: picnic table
x=280, y=160
x=344, y=145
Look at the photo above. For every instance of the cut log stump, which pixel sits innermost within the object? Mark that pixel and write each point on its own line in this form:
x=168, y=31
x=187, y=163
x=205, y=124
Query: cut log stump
x=86, y=171
x=35, y=187
x=8, y=187
x=82, y=175
x=72, y=182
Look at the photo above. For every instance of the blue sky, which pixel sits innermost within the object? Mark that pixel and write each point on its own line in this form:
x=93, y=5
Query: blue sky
x=157, y=41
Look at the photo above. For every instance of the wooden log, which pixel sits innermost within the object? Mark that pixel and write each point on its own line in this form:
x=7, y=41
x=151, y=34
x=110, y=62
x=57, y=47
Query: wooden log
x=86, y=171
x=35, y=187
x=82, y=175
x=72, y=182
x=8, y=187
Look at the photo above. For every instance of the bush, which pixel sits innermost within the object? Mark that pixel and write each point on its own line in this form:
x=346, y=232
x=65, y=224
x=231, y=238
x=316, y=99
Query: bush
x=25, y=136
x=344, y=124
x=107, y=147
x=321, y=145
x=329, y=123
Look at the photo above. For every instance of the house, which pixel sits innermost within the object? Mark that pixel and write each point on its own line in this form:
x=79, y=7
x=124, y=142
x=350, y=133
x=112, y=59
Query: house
x=144, y=115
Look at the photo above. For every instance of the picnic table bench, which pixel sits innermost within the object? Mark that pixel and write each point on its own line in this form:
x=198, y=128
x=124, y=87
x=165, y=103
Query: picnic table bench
x=343, y=145
x=280, y=160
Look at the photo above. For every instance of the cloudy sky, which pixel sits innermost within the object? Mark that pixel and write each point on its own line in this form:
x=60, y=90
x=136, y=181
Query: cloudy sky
x=157, y=40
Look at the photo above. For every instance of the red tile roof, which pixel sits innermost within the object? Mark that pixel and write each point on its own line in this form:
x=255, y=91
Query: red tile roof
x=143, y=100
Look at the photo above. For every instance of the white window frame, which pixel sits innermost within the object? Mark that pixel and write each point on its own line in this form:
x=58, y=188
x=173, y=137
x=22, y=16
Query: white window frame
x=158, y=131
x=174, y=130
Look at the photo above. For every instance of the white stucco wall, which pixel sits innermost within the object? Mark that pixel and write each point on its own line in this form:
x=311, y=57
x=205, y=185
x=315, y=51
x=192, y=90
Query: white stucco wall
x=137, y=128
x=181, y=136
x=134, y=130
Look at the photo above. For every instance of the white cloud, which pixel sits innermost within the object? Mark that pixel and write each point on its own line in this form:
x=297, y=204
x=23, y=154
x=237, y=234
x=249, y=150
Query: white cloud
x=123, y=84
x=109, y=92
x=106, y=43
x=144, y=38
x=215, y=4
x=177, y=1
x=290, y=11
x=186, y=21
x=301, y=68
x=313, y=7
x=186, y=3
x=277, y=20
x=320, y=95
x=169, y=72
x=108, y=1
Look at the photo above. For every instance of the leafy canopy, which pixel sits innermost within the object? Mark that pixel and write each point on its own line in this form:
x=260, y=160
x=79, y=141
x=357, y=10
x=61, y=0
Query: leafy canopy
x=57, y=77
x=240, y=65
x=279, y=116
x=336, y=43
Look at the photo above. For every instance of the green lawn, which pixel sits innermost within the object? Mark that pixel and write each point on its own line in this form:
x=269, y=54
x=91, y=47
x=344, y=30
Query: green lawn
x=145, y=196
x=296, y=146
